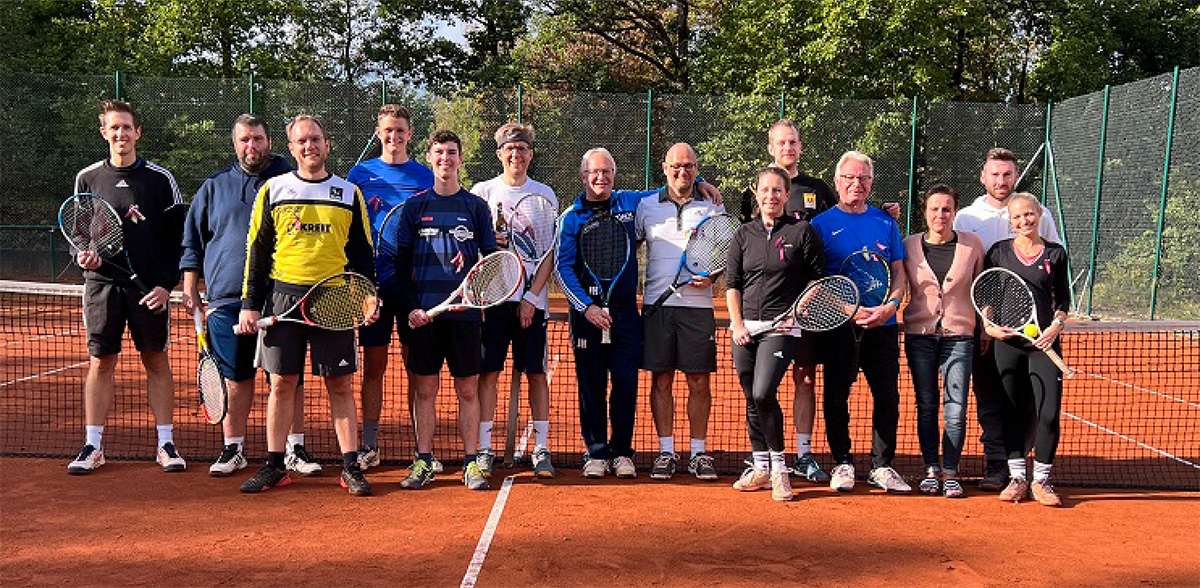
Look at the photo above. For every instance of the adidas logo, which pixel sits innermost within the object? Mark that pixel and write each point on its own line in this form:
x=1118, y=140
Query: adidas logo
x=778, y=354
x=121, y=184
x=343, y=363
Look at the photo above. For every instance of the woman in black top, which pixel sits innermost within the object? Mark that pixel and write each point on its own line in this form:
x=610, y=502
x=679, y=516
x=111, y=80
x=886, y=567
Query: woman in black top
x=1028, y=375
x=771, y=260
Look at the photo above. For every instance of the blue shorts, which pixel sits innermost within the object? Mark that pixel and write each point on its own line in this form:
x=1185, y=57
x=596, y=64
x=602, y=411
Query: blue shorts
x=379, y=333
x=234, y=353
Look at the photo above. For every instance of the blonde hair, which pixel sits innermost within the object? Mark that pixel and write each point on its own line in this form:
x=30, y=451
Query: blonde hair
x=1033, y=201
x=507, y=131
x=316, y=120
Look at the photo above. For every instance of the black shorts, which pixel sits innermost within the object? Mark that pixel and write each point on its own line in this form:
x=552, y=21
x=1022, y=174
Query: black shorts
x=379, y=333
x=234, y=353
x=807, y=350
x=282, y=347
x=455, y=343
x=108, y=307
x=502, y=324
x=680, y=338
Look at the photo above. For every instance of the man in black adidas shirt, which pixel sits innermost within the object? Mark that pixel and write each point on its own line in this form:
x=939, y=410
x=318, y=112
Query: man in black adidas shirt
x=147, y=199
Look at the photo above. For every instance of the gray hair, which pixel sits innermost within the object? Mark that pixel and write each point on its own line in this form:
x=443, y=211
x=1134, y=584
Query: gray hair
x=583, y=162
x=854, y=156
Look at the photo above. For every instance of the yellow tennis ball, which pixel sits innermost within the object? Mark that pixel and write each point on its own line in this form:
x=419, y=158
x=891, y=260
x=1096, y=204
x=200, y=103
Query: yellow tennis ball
x=1031, y=330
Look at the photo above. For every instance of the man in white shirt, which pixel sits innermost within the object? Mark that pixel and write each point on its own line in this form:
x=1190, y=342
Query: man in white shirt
x=523, y=319
x=987, y=217
x=681, y=334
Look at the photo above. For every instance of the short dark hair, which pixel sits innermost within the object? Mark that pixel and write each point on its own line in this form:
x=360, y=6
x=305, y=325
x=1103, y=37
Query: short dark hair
x=445, y=136
x=946, y=189
x=306, y=117
x=772, y=170
x=395, y=110
x=107, y=106
x=1001, y=154
x=250, y=120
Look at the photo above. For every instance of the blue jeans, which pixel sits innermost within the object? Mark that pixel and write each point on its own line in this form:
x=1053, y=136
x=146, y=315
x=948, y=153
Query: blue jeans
x=952, y=356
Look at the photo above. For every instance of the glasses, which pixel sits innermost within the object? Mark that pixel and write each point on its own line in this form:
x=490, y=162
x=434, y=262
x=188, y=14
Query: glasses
x=850, y=179
x=517, y=148
x=675, y=167
x=600, y=171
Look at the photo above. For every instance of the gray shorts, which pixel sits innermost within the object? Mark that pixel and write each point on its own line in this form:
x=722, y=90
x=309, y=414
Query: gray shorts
x=680, y=338
x=283, y=346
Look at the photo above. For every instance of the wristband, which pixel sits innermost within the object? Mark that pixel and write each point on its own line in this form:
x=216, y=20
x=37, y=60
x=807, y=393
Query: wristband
x=894, y=301
x=530, y=297
x=1058, y=322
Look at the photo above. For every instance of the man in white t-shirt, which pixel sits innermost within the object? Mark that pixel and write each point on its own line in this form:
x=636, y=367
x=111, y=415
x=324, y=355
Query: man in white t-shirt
x=523, y=319
x=680, y=335
x=987, y=217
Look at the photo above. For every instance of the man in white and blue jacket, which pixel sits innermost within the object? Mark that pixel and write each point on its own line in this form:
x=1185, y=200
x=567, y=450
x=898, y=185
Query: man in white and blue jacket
x=214, y=247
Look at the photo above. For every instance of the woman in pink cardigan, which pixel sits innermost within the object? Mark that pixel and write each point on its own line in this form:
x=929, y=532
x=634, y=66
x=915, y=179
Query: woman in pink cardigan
x=939, y=327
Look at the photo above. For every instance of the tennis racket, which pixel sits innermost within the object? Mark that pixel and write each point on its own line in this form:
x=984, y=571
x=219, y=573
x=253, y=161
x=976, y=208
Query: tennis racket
x=337, y=303
x=213, y=395
x=90, y=223
x=1004, y=300
x=704, y=256
x=825, y=304
x=385, y=239
x=604, y=248
x=871, y=275
x=491, y=281
x=532, y=227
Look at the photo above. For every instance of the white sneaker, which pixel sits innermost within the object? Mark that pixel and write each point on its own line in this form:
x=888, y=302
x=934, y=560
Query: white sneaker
x=842, y=479
x=594, y=468
x=781, y=486
x=368, y=457
x=89, y=459
x=298, y=460
x=231, y=460
x=889, y=480
x=753, y=479
x=170, y=459
x=623, y=466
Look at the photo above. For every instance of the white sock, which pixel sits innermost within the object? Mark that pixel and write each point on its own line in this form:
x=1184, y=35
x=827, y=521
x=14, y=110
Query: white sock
x=803, y=443
x=697, y=446
x=1016, y=468
x=541, y=433
x=1041, y=472
x=485, y=434
x=93, y=435
x=239, y=441
x=166, y=434
x=666, y=444
x=762, y=460
x=295, y=439
x=778, y=464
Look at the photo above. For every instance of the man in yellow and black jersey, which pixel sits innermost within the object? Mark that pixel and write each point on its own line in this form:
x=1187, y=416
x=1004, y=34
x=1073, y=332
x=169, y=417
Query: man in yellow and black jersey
x=306, y=225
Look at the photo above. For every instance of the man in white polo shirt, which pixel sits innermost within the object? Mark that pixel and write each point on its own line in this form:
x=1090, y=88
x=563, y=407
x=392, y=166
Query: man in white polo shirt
x=681, y=334
x=987, y=218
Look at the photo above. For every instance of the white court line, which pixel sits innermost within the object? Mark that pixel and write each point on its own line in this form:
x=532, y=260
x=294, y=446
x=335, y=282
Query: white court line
x=1141, y=389
x=45, y=373
x=485, y=540
x=70, y=333
x=1132, y=440
x=524, y=442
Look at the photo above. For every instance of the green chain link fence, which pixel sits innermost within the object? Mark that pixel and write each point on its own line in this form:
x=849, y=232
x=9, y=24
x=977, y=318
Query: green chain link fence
x=1130, y=217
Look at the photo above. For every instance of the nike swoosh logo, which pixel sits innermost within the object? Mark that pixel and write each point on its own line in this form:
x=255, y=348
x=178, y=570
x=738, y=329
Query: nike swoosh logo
x=838, y=231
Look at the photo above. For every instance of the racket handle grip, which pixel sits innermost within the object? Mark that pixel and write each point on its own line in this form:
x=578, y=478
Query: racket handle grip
x=606, y=334
x=439, y=309
x=267, y=322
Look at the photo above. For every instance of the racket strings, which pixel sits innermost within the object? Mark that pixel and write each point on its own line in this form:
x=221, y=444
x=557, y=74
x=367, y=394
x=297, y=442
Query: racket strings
x=870, y=274
x=533, y=226
x=604, y=246
x=212, y=387
x=493, y=281
x=341, y=306
x=1003, y=299
x=708, y=249
x=91, y=225
x=833, y=302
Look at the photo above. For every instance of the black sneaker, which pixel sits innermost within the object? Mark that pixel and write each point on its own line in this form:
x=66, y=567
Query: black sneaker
x=265, y=478
x=664, y=466
x=354, y=481
x=995, y=476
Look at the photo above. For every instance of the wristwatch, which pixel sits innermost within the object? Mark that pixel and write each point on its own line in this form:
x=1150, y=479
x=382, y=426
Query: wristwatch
x=894, y=301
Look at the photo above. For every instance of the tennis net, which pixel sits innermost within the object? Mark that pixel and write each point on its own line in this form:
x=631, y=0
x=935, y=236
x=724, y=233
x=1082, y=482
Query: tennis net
x=1131, y=418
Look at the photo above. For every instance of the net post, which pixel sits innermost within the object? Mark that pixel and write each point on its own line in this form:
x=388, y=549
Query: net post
x=1062, y=220
x=1046, y=150
x=912, y=165
x=53, y=252
x=520, y=103
x=117, y=84
x=1162, y=204
x=250, y=85
x=649, y=134
x=782, y=104
x=1096, y=204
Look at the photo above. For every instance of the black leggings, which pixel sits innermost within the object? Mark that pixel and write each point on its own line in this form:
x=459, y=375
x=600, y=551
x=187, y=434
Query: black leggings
x=760, y=368
x=1034, y=385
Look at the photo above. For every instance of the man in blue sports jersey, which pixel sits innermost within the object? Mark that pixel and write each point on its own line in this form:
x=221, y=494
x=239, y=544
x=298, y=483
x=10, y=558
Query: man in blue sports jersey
x=386, y=182
x=214, y=246
x=442, y=233
x=846, y=229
